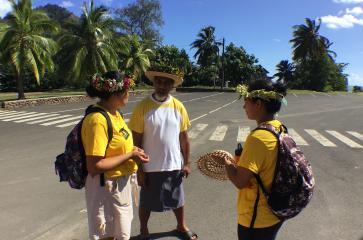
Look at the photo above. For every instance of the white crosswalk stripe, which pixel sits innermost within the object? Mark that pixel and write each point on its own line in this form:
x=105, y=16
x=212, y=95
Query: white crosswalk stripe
x=320, y=138
x=219, y=133
x=58, y=120
x=243, y=133
x=22, y=117
x=48, y=119
x=344, y=139
x=16, y=115
x=61, y=121
x=36, y=118
x=297, y=138
x=195, y=131
x=355, y=134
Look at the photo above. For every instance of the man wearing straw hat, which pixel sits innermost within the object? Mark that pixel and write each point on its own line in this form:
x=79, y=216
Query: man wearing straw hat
x=159, y=124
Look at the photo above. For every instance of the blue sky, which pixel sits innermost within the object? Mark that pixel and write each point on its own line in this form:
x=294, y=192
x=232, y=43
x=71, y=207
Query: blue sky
x=262, y=27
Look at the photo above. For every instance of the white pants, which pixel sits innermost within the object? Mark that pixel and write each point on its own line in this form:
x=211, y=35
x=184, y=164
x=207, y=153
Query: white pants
x=109, y=208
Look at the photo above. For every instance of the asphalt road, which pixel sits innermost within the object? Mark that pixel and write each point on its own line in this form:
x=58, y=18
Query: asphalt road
x=34, y=205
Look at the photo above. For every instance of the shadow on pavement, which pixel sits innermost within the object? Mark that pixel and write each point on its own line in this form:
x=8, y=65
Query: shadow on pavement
x=159, y=235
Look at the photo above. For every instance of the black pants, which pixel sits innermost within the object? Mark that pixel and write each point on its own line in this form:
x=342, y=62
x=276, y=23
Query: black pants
x=269, y=233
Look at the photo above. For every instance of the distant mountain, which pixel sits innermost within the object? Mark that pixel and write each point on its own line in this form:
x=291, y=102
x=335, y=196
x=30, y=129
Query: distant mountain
x=58, y=13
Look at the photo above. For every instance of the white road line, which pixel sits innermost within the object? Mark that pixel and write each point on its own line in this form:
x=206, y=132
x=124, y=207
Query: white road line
x=69, y=110
x=6, y=112
x=35, y=118
x=60, y=121
x=215, y=110
x=194, y=132
x=201, y=97
x=198, y=117
x=312, y=95
x=68, y=124
x=219, y=133
x=16, y=115
x=243, y=133
x=297, y=138
x=320, y=138
x=10, y=114
x=22, y=117
x=344, y=139
x=355, y=134
x=294, y=95
x=48, y=119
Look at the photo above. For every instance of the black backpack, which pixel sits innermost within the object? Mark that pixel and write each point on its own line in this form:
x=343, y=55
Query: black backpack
x=71, y=165
x=293, y=183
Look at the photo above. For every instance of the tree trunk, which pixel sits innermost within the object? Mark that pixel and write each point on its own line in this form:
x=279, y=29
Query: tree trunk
x=20, y=84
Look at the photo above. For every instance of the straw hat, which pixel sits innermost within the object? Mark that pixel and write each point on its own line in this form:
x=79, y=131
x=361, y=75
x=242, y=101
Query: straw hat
x=212, y=164
x=152, y=74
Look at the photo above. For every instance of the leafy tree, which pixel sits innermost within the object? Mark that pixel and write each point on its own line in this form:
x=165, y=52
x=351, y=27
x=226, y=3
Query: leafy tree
x=357, y=89
x=239, y=65
x=134, y=54
x=207, y=47
x=23, y=45
x=307, y=43
x=143, y=18
x=285, y=72
x=89, y=45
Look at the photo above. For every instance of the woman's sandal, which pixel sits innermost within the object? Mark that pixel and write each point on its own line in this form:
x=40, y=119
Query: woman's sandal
x=187, y=235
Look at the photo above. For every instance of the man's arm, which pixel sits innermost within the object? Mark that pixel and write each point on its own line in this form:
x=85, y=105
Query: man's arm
x=185, y=149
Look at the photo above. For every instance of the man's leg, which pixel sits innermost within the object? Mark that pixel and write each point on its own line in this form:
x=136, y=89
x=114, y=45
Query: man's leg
x=179, y=214
x=144, y=216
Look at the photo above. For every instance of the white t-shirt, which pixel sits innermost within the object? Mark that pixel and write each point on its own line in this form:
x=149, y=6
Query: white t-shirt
x=160, y=123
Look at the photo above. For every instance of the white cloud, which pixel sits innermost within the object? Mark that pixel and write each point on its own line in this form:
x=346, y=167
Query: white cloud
x=277, y=40
x=67, y=4
x=354, y=11
x=355, y=79
x=345, y=21
x=348, y=1
x=5, y=7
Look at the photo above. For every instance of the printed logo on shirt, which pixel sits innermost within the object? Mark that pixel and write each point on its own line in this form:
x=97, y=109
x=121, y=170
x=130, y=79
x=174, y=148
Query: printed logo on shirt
x=124, y=133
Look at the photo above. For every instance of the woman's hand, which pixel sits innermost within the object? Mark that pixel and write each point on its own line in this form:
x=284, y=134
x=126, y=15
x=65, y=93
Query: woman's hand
x=139, y=156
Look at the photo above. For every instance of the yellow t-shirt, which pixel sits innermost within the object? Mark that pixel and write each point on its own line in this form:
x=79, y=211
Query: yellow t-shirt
x=259, y=156
x=95, y=139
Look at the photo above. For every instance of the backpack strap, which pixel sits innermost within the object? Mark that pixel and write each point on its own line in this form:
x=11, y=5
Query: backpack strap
x=271, y=129
x=92, y=109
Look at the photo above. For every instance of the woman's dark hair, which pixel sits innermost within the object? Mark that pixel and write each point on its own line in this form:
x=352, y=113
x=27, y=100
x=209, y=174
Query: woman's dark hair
x=92, y=92
x=273, y=105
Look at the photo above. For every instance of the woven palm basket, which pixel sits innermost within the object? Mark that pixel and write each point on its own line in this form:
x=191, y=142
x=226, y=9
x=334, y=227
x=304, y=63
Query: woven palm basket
x=212, y=164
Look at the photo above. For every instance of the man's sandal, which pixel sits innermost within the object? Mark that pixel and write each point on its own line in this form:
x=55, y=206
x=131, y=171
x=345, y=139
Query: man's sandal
x=187, y=235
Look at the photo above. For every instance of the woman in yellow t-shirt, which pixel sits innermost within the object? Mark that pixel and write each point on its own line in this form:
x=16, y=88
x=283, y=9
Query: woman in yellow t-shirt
x=109, y=202
x=262, y=100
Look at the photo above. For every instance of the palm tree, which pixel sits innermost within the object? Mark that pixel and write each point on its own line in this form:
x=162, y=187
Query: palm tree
x=307, y=43
x=285, y=72
x=23, y=44
x=134, y=55
x=88, y=47
x=207, y=47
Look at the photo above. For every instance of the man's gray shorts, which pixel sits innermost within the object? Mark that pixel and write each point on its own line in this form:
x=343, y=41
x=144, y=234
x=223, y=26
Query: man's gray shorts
x=163, y=191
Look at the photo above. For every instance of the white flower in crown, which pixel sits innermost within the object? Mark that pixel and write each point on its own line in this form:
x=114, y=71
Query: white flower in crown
x=120, y=85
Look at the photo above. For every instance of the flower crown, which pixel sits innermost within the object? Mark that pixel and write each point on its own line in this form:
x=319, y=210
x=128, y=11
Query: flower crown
x=260, y=93
x=112, y=85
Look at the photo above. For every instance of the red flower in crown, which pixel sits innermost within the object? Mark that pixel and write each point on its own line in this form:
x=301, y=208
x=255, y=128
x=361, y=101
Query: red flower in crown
x=126, y=82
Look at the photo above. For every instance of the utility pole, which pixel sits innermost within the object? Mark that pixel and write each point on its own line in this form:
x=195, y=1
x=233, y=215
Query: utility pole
x=222, y=82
